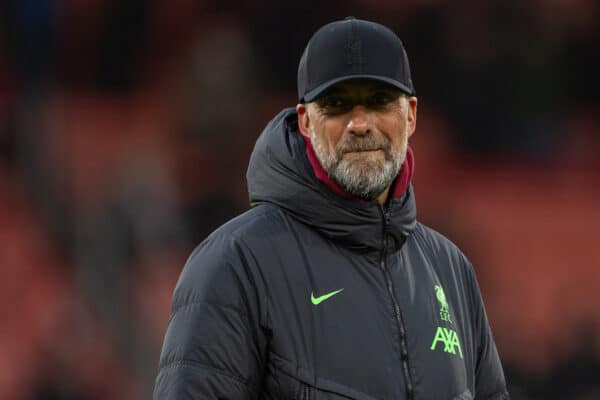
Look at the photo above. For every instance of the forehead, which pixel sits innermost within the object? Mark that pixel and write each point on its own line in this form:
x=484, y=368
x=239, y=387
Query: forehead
x=360, y=86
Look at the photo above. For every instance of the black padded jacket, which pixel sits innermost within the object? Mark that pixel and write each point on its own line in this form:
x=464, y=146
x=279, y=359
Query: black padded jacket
x=312, y=296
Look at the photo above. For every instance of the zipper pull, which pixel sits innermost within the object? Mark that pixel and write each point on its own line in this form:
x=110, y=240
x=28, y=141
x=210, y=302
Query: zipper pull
x=305, y=392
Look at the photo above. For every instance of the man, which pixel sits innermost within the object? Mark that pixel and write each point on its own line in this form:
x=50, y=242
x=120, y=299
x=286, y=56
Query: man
x=328, y=287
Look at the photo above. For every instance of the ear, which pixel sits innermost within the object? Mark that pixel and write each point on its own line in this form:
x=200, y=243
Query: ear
x=412, y=115
x=303, y=119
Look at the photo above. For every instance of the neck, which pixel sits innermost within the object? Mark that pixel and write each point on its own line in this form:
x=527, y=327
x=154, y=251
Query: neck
x=382, y=198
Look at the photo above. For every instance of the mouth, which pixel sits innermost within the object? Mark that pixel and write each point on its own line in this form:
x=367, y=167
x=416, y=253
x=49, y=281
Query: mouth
x=363, y=151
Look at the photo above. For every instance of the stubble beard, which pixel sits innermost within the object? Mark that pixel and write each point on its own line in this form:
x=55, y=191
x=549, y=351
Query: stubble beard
x=361, y=176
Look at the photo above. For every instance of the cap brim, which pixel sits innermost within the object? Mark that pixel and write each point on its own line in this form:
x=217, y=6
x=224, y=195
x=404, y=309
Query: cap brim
x=316, y=92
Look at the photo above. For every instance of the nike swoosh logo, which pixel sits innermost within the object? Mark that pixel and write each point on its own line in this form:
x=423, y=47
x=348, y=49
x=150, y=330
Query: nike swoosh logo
x=320, y=299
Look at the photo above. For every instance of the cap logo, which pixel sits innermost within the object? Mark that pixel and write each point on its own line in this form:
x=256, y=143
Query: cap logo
x=354, y=56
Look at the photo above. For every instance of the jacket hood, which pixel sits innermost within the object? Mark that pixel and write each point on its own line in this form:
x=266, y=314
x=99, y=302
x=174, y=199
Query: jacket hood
x=281, y=173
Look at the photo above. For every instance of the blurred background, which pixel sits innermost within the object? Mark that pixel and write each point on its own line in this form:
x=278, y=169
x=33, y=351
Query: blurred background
x=125, y=132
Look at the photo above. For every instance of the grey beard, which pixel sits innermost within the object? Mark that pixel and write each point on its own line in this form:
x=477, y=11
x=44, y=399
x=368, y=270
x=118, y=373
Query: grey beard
x=366, y=182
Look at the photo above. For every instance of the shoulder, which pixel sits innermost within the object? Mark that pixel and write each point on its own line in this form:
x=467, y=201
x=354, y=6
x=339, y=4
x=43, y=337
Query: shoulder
x=257, y=221
x=443, y=253
x=435, y=242
x=226, y=242
x=223, y=263
x=227, y=257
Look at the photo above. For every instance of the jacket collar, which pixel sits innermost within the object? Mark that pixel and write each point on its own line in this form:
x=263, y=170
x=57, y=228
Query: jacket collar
x=280, y=172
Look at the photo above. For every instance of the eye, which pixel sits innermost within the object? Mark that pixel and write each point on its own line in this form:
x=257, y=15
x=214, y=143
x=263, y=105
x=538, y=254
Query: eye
x=381, y=99
x=335, y=104
x=334, y=101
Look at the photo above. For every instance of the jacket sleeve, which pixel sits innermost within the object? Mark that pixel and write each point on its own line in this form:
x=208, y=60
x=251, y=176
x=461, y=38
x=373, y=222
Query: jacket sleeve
x=490, y=383
x=214, y=345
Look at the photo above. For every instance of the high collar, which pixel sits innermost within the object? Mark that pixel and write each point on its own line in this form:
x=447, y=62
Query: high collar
x=281, y=172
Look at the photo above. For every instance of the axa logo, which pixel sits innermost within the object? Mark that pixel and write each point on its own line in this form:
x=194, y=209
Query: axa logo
x=444, y=335
x=450, y=340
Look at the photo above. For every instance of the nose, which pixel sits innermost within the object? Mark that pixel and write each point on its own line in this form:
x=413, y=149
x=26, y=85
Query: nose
x=359, y=122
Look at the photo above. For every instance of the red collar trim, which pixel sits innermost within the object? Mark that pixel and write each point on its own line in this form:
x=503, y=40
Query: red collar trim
x=399, y=186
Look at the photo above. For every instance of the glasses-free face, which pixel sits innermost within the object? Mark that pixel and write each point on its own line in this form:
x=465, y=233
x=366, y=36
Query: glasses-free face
x=342, y=98
x=359, y=130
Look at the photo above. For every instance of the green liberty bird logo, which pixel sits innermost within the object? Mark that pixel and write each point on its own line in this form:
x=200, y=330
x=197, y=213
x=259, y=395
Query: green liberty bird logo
x=444, y=310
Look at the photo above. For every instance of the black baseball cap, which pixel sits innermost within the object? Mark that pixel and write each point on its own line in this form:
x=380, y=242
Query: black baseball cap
x=352, y=49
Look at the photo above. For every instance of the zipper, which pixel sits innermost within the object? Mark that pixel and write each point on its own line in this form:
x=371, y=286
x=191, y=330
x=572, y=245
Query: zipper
x=397, y=312
x=305, y=394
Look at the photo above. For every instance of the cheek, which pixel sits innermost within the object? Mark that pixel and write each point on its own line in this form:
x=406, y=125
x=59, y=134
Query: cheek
x=396, y=130
x=330, y=134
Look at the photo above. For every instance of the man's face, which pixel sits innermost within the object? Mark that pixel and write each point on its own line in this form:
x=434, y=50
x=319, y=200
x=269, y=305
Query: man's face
x=359, y=130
